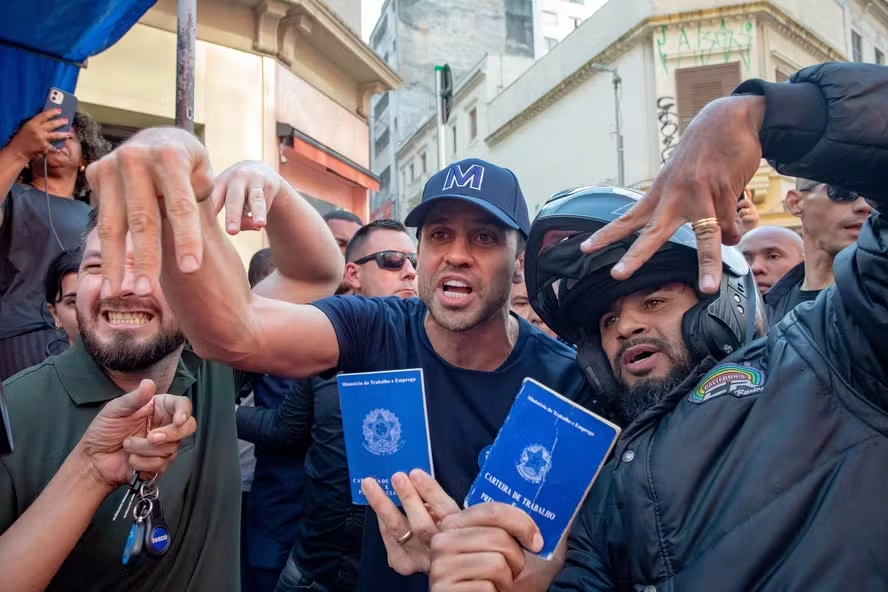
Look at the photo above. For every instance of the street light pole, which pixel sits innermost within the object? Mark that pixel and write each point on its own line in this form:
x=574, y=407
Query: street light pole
x=186, y=33
x=621, y=170
x=439, y=119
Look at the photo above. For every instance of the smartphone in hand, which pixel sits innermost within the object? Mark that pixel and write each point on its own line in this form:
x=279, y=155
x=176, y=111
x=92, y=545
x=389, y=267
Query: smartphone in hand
x=59, y=99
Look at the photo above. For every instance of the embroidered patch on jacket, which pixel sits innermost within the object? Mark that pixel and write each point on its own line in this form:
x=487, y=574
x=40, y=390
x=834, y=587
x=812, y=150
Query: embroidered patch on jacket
x=729, y=379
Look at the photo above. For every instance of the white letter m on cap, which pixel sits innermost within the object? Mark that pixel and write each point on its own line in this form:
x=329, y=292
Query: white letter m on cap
x=472, y=177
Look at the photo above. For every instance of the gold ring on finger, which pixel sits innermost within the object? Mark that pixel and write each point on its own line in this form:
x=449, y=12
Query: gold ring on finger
x=405, y=537
x=704, y=224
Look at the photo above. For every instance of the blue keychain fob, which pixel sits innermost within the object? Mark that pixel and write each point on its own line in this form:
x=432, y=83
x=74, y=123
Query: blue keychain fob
x=133, y=547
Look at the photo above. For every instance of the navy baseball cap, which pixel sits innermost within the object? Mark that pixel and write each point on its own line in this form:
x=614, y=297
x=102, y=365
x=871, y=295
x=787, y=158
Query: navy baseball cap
x=490, y=187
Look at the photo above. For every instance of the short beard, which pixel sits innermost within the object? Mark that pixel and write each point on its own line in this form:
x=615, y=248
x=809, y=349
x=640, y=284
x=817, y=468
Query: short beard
x=461, y=321
x=630, y=402
x=123, y=356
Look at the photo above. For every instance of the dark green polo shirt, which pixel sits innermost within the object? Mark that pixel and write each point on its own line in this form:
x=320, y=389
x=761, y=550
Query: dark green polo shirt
x=50, y=407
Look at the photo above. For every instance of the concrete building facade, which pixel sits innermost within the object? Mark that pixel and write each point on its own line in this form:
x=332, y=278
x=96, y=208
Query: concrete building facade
x=417, y=157
x=284, y=81
x=555, y=125
x=412, y=36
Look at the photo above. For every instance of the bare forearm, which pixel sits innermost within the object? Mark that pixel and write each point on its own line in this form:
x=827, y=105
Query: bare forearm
x=211, y=304
x=303, y=249
x=36, y=545
x=11, y=165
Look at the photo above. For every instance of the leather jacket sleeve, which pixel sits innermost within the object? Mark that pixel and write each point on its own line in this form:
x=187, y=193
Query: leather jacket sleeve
x=828, y=124
x=587, y=567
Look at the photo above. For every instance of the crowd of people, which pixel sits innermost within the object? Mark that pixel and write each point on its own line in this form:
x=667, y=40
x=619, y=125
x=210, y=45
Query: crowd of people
x=143, y=368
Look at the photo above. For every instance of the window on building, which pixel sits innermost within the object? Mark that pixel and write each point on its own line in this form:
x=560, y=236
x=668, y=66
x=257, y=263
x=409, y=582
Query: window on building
x=856, y=47
x=473, y=124
x=550, y=19
x=879, y=57
x=695, y=87
x=453, y=138
x=385, y=180
x=378, y=34
x=551, y=42
x=423, y=163
x=381, y=142
x=412, y=175
x=577, y=21
x=381, y=105
x=519, y=27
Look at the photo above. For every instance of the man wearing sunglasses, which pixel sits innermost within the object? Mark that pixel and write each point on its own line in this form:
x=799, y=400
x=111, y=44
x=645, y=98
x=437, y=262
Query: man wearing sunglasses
x=324, y=543
x=381, y=260
x=831, y=219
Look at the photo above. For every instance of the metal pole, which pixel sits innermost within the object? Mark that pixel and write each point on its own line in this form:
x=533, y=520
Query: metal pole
x=186, y=35
x=442, y=142
x=621, y=175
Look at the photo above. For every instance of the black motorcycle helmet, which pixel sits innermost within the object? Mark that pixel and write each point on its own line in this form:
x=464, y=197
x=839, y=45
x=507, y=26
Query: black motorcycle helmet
x=571, y=290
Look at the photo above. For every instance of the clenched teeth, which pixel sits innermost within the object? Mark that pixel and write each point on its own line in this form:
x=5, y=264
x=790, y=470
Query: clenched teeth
x=128, y=318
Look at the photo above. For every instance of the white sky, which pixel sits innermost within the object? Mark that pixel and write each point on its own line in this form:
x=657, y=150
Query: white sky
x=370, y=14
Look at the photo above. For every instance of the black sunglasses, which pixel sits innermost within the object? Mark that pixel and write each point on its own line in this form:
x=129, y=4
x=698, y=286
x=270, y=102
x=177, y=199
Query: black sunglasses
x=389, y=259
x=839, y=194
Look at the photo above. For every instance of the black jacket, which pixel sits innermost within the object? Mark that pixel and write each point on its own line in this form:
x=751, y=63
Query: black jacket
x=770, y=471
x=786, y=294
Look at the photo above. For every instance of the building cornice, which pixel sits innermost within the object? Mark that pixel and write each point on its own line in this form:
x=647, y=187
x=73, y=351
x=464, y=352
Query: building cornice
x=878, y=8
x=782, y=22
x=281, y=24
x=792, y=30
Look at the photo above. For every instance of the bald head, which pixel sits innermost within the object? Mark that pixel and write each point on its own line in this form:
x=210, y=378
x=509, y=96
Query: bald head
x=771, y=252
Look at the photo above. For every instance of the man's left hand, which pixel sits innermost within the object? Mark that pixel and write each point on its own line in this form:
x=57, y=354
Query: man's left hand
x=407, y=536
x=246, y=191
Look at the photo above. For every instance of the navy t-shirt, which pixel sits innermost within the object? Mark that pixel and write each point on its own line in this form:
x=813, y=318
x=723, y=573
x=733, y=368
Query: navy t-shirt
x=466, y=408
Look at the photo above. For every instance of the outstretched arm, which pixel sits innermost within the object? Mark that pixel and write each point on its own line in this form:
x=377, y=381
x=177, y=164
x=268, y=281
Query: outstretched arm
x=157, y=186
x=308, y=262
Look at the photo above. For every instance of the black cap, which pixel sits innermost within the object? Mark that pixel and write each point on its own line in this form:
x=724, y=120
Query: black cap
x=490, y=187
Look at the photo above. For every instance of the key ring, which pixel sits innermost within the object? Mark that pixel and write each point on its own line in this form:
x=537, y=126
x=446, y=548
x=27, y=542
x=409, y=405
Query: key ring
x=148, y=486
x=143, y=509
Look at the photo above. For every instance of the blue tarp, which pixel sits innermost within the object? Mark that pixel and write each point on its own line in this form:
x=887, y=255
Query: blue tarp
x=60, y=35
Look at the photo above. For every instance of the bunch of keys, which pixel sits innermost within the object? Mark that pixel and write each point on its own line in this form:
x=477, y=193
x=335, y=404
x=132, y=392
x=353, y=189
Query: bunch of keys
x=149, y=533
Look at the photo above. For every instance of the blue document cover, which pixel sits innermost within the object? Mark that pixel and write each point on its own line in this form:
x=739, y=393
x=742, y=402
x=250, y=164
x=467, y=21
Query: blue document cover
x=385, y=426
x=544, y=460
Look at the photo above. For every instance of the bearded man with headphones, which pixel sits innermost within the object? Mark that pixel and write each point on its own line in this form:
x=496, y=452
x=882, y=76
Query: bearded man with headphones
x=745, y=462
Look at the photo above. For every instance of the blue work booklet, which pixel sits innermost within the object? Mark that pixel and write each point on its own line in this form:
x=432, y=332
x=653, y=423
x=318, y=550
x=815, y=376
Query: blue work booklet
x=385, y=426
x=544, y=460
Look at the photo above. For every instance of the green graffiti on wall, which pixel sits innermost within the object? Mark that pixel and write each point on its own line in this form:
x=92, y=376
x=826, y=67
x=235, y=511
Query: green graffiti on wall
x=689, y=45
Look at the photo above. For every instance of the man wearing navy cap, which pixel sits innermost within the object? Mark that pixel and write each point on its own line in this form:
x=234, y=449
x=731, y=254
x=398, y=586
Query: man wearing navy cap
x=472, y=224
